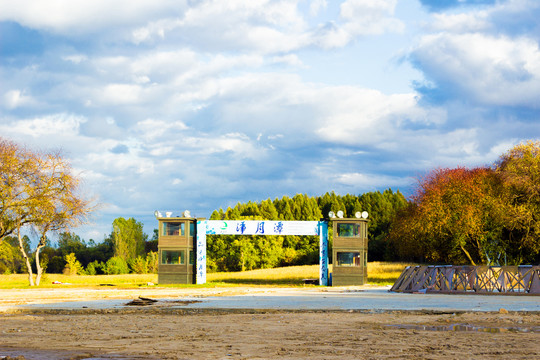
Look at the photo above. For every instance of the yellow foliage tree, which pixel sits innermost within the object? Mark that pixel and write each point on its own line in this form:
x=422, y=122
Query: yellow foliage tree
x=520, y=170
x=37, y=190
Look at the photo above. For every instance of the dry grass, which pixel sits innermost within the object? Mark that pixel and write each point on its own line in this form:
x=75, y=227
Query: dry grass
x=128, y=280
x=379, y=273
x=290, y=275
x=385, y=273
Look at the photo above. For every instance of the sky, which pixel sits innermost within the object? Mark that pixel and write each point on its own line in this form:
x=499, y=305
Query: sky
x=176, y=105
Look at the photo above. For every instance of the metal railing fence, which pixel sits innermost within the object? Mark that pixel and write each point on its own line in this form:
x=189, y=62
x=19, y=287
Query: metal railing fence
x=523, y=279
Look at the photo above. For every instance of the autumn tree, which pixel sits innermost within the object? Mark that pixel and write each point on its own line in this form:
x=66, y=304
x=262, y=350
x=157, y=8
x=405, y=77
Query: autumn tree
x=37, y=190
x=61, y=206
x=455, y=216
x=519, y=169
x=18, y=173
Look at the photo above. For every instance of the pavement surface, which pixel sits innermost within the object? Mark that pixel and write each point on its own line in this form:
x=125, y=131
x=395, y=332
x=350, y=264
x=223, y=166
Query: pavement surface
x=324, y=299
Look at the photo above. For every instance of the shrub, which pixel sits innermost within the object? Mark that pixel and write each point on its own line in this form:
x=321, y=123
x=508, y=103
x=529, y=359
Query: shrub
x=138, y=265
x=152, y=262
x=73, y=266
x=116, y=265
x=94, y=268
x=289, y=256
x=211, y=265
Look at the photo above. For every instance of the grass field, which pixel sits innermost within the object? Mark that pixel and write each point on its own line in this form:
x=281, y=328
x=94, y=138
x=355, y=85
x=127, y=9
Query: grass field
x=128, y=280
x=379, y=273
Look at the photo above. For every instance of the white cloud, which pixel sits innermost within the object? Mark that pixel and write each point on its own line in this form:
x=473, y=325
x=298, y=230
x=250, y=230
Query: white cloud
x=236, y=143
x=214, y=66
x=425, y=149
x=515, y=17
x=461, y=22
x=359, y=18
x=371, y=181
x=141, y=80
x=277, y=13
x=75, y=59
x=178, y=79
x=152, y=30
x=16, y=98
x=290, y=59
x=160, y=151
x=370, y=16
x=261, y=25
x=154, y=130
x=364, y=116
x=65, y=125
x=268, y=27
x=160, y=64
x=104, y=63
x=117, y=165
x=458, y=143
x=120, y=94
x=315, y=6
x=491, y=70
x=80, y=16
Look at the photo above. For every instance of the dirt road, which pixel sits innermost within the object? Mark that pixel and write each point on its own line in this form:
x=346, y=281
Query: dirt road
x=162, y=332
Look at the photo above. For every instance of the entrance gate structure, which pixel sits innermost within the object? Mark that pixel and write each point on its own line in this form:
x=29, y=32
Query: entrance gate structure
x=182, y=245
x=260, y=227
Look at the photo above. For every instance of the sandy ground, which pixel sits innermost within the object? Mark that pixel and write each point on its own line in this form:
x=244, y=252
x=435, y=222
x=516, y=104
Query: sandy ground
x=159, y=332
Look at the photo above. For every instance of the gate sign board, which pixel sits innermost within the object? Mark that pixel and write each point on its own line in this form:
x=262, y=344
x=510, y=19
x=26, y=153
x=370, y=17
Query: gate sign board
x=254, y=227
x=261, y=227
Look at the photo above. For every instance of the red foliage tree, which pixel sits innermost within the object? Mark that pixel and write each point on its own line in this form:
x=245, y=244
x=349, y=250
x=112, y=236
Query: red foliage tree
x=454, y=217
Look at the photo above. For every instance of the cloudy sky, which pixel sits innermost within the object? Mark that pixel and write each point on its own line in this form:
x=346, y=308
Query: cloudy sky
x=200, y=104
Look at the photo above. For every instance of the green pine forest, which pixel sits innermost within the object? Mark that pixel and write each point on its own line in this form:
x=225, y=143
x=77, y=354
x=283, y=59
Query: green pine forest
x=239, y=253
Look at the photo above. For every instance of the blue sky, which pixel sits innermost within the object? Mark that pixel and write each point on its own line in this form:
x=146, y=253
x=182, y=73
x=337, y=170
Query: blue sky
x=174, y=105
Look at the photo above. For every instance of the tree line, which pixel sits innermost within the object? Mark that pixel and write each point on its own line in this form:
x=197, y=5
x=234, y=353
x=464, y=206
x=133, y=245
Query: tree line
x=239, y=253
x=126, y=249
x=482, y=215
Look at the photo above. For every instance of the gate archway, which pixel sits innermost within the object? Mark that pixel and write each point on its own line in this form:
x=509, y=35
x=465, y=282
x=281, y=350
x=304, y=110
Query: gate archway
x=260, y=227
